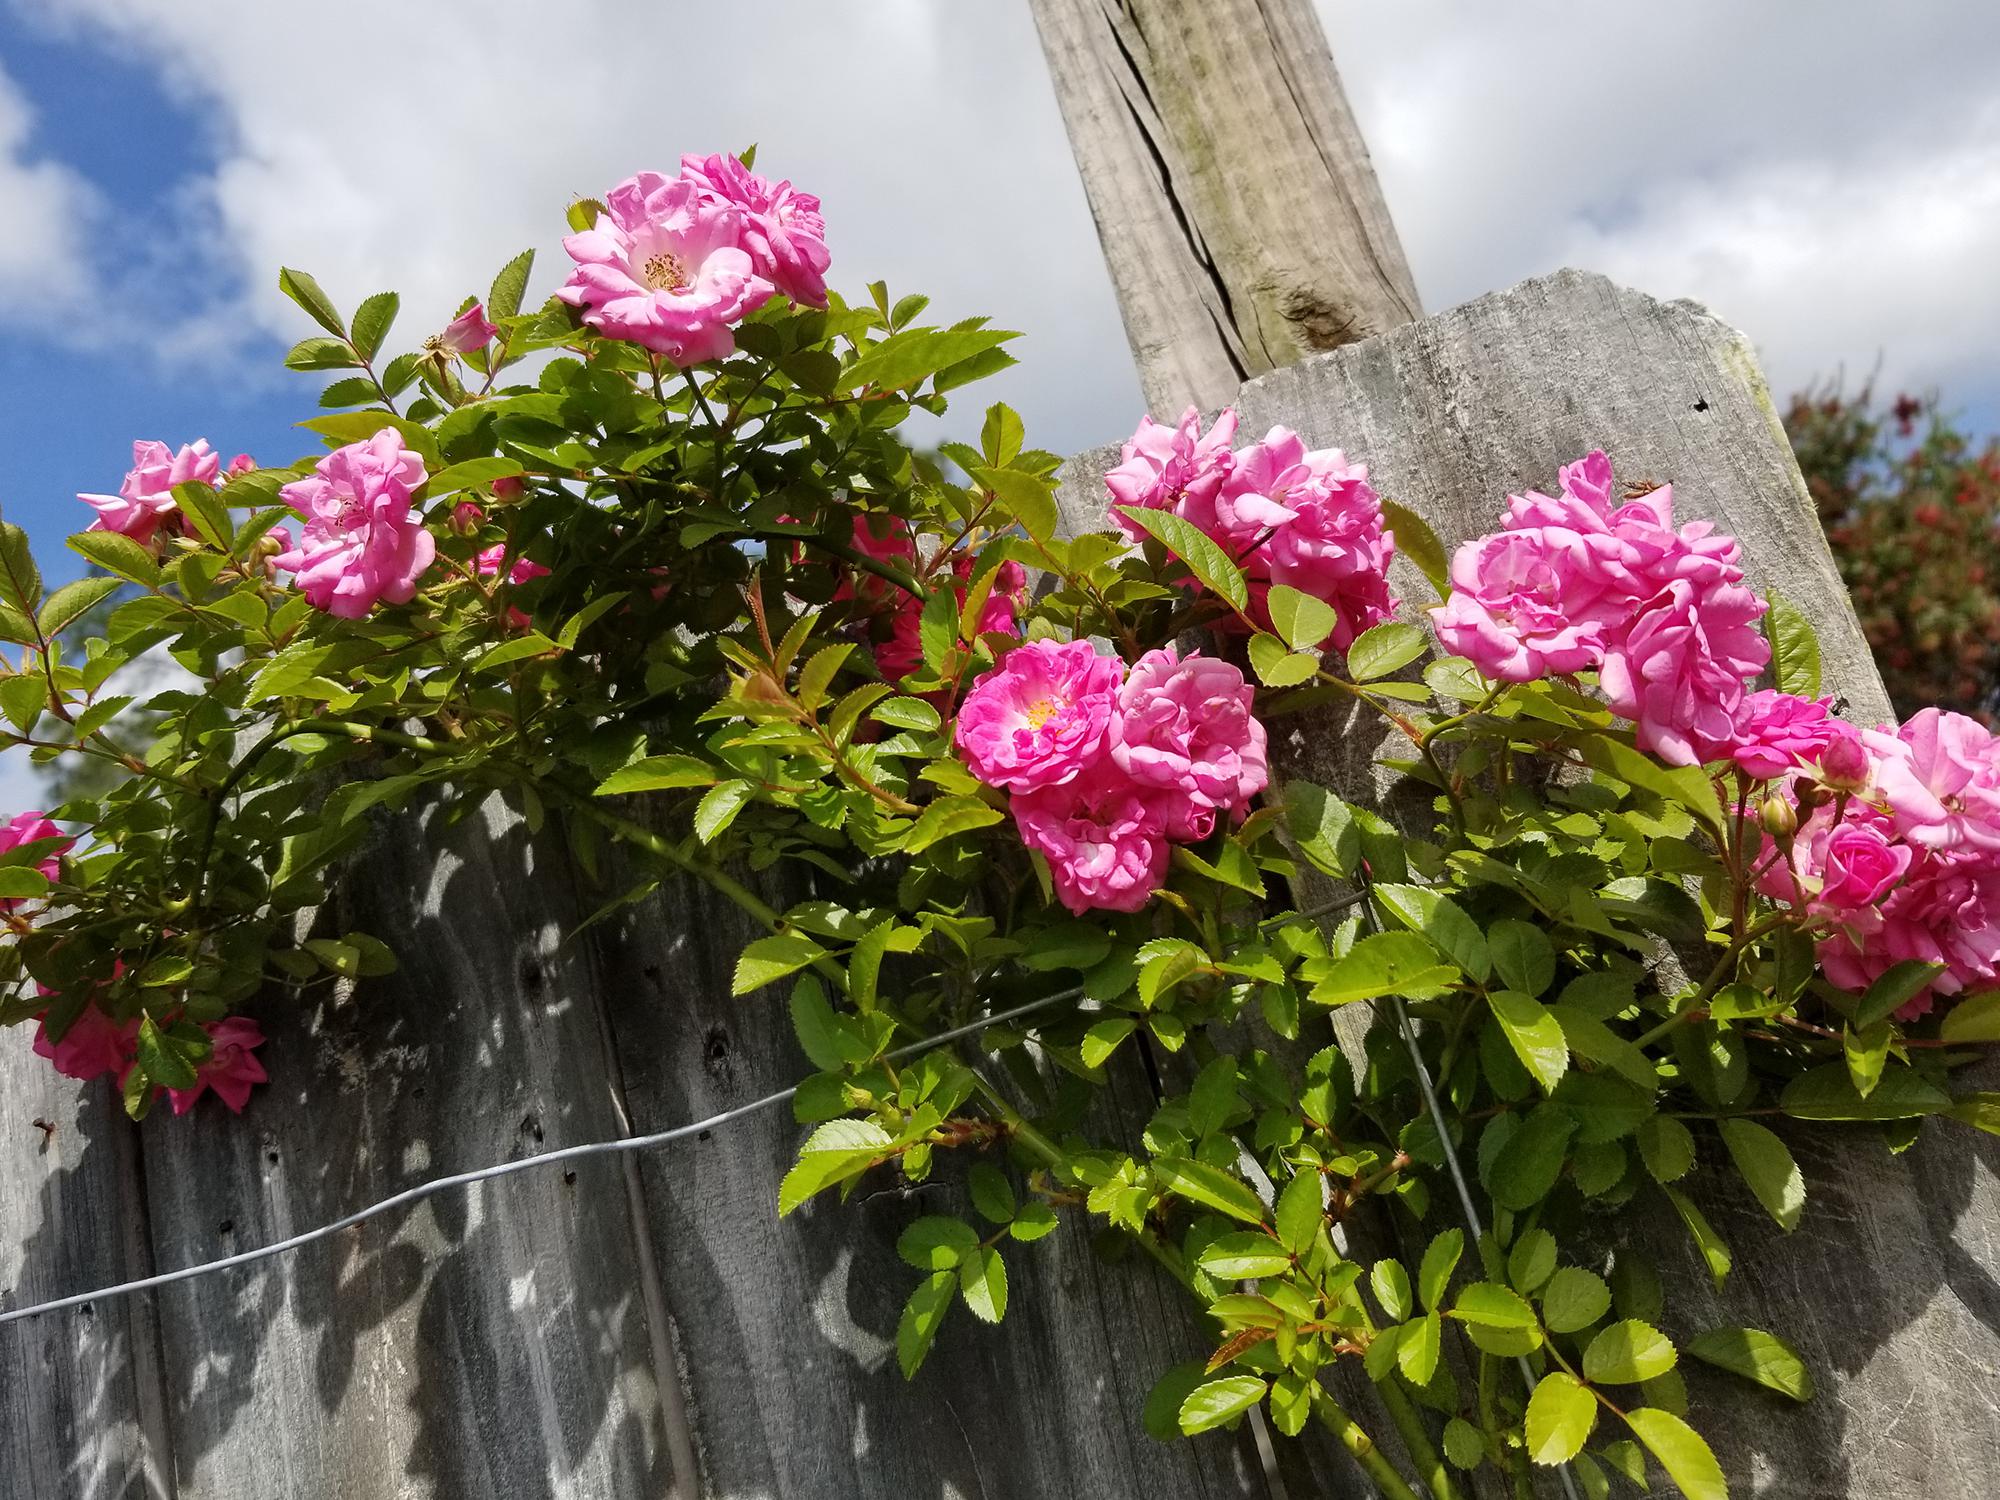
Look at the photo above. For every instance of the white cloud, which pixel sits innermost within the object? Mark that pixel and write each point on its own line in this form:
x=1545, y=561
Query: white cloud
x=42, y=209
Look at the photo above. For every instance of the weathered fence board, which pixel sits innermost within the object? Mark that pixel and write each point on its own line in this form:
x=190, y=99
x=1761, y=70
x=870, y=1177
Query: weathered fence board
x=521, y=1340
x=1888, y=1287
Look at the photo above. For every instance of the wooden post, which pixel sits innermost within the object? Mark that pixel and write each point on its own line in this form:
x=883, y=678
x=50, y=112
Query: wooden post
x=1234, y=197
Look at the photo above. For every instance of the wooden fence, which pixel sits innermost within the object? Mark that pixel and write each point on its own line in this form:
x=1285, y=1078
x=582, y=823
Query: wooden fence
x=645, y=1326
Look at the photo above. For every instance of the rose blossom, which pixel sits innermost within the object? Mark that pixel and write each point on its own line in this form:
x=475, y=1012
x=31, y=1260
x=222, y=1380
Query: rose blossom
x=785, y=235
x=467, y=332
x=1040, y=717
x=1679, y=670
x=32, y=828
x=230, y=1069
x=1185, y=729
x=900, y=651
x=1781, y=733
x=1163, y=468
x=1859, y=865
x=1940, y=777
x=1103, y=838
x=665, y=268
x=1519, y=605
x=362, y=542
x=146, y=498
x=93, y=1045
x=1946, y=911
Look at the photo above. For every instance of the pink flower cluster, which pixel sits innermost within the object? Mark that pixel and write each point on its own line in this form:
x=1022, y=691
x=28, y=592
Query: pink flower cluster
x=363, y=544
x=144, y=505
x=1579, y=580
x=673, y=263
x=1286, y=516
x=1901, y=852
x=1105, y=768
x=895, y=616
x=95, y=1045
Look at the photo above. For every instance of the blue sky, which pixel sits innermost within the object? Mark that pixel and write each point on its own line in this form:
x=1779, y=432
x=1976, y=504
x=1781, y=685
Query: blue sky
x=159, y=159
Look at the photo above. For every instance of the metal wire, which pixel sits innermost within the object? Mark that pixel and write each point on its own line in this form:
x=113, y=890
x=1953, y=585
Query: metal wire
x=437, y=1185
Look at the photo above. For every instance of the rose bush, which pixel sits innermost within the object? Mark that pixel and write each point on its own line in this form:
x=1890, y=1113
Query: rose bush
x=660, y=538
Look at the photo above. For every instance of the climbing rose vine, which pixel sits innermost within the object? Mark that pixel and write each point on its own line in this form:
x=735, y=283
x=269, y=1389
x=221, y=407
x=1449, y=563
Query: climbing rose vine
x=656, y=545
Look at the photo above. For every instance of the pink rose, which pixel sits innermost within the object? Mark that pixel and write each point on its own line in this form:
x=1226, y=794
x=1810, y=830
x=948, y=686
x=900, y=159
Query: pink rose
x=785, y=235
x=146, y=498
x=885, y=537
x=666, y=268
x=1858, y=865
x=1844, y=764
x=32, y=828
x=240, y=465
x=1185, y=729
x=1103, y=838
x=1040, y=717
x=1521, y=605
x=1679, y=671
x=1163, y=468
x=362, y=542
x=1940, y=777
x=1781, y=733
x=900, y=649
x=467, y=518
x=467, y=332
x=230, y=1069
x=93, y=1045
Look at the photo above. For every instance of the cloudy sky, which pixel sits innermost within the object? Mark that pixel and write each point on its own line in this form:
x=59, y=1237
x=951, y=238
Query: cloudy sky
x=1825, y=177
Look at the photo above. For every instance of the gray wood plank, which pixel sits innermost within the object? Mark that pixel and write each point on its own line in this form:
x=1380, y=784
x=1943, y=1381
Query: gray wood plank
x=490, y=1342
x=80, y=1410
x=1239, y=213
x=1889, y=1286
x=787, y=1329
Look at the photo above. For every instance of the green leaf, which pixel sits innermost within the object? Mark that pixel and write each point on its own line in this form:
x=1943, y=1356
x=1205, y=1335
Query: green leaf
x=118, y=554
x=1687, y=786
x=1162, y=1414
x=20, y=579
x=1560, y=1416
x=1667, y=1148
x=303, y=290
x=1323, y=827
x=1380, y=651
x=1417, y=1350
x=1301, y=1209
x=1029, y=499
x=1794, y=648
x=371, y=322
x=1487, y=1304
x=837, y=1151
x=1574, y=1299
x=1443, y=921
x=1387, y=963
x=1440, y=1260
x=1277, y=666
x=1628, y=1352
x=771, y=958
x=1755, y=1355
x=527, y=644
x=1893, y=990
x=657, y=773
x=1102, y=1039
x=1713, y=1250
x=947, y=817
x=1532, y=1260
x=1299, y=618
x=1213, y=1097
x=982, y=1281
x=1523, y=955
x=1194, y=547
x=1244, y=1257
x=817, y=1030
x=1975, y=1018
x=906, y=713
x=906, y=358
x=1767, y=1166
x=1167, y=968
x=1535, y=1035
x=922, y=1316
x=992, y=1194
x=471, y=474
x=1681, y=1452
x=1827, y=1093
x=1416, y=541
x=1212, y=1187
x=23, y=883
x=166, y=1060
x=1220, y=1401
x=1033, y=1221
x=1526, y=1168
x=72, y=601
x=1463, y=1444
x=503, y=298
x=937, y=1242
x=1392, y=1289
x=718, y=809
x=1291, y=1402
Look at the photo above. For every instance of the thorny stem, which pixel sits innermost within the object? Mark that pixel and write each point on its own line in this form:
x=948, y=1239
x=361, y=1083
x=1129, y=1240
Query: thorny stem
x=1333, y=1416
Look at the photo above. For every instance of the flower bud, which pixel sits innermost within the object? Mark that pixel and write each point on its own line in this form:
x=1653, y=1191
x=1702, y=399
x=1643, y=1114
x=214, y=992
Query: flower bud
x=466, y=518
x=1779, y=817
x=508, y=491
x=1843, y=765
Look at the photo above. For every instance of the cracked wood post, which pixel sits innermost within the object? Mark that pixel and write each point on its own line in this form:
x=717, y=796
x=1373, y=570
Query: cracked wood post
x=1233, y=194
